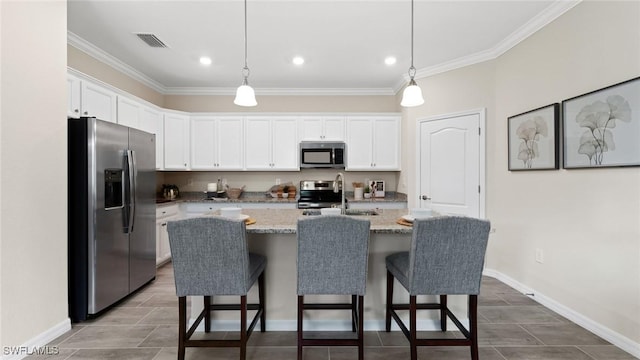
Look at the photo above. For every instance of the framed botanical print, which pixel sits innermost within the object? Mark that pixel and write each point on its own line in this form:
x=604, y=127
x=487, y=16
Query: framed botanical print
x=602, y=128
x=533, y=139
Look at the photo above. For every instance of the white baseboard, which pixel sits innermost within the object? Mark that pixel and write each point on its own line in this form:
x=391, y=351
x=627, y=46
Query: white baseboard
x=604, y=332
x=37, y=345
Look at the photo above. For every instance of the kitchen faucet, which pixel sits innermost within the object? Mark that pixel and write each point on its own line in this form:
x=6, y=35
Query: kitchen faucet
x=336, y=188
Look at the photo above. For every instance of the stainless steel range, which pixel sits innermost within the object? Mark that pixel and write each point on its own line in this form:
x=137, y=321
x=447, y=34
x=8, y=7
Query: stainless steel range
x=316, y=194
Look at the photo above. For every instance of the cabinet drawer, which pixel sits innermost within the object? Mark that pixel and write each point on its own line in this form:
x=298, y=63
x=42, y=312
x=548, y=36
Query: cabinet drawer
x=167, y=210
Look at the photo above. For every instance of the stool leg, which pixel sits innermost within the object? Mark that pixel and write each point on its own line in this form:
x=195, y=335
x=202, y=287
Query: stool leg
x=443, y=312
x=207, y=314
x=300, y=312
x=354, y=309
x=360, y=327
x=473, y=325
x=243, y=327
x=262, y=301
x=413, y=327
x=182, y=325
x=389, y=301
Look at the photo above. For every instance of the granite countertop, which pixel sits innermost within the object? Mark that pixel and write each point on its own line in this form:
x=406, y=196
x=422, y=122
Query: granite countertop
x=262, y=197
x=284, y=221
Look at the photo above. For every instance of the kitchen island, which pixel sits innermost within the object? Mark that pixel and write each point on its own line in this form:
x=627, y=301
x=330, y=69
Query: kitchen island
x=274, y=236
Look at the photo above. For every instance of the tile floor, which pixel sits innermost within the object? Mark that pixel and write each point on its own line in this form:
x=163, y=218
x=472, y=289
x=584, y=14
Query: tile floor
x=511, y=327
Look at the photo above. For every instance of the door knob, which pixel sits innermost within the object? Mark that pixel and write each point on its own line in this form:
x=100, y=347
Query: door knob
x=425, y=197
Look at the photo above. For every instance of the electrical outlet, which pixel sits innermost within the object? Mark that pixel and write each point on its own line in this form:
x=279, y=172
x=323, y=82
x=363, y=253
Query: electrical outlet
x=189, y=182
x=277, y=181
x=539, y=256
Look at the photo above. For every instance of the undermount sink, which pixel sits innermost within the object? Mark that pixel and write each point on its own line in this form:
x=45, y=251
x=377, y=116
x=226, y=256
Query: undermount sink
x=350, y=212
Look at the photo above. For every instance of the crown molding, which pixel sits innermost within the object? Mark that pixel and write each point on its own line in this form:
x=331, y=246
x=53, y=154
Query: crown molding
x=549, y=14
x=99, y=54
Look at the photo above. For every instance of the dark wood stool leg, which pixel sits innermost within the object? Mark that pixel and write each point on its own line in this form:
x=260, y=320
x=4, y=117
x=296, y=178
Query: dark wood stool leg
x=300, y=313
x=473, y=325
x=354, y=309
x=443, y=312
x=361, y=327
x=389, y=301
x=413, y=327
x=207, y=314
x=262, y=301
x=182, y=325
x=243, y=327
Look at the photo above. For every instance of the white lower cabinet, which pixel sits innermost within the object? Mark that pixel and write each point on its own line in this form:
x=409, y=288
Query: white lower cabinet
x=164, y=214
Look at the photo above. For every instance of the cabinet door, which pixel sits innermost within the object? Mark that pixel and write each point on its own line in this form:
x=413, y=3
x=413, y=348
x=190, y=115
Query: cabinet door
x=151, y=121
x=203, y=144
x=258, y=140
x=386, y=144
x=176, y=141
x=334, y=128
x=73, y=96
x=359, y=144
x=99, y=102
x=285, y=144
x=129, y=112
x=311, y=128
x=230, y=143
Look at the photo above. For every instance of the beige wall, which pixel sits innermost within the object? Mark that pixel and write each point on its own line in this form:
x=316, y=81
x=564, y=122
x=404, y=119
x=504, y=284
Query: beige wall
x=272, y=103
x=585, y=221
x=88, y=65
x=33, y=184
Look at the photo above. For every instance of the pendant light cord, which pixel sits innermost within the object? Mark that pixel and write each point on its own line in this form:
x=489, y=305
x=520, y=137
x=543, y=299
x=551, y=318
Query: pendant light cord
x=245, y=70
x=412, y=69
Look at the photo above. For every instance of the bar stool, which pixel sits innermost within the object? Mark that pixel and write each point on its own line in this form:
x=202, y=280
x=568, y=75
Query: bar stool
x=210, y=258
x=446, y=258
x=332, y=260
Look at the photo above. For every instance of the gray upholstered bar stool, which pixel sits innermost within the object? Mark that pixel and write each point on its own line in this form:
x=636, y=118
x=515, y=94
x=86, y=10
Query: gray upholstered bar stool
x=332, y=260
x=210, y=258
x=446, y=258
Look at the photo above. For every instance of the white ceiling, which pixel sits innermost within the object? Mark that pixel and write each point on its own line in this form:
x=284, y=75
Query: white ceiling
x=344, y=43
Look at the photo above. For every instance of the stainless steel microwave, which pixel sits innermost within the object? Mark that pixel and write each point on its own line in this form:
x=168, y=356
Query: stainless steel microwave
x=322, y=154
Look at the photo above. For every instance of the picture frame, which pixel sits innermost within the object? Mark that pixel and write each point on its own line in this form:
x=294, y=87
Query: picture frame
x=601, y=128
x=533, y=139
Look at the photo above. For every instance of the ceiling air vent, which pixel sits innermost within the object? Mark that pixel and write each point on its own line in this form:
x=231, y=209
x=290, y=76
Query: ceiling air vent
x=151, y=40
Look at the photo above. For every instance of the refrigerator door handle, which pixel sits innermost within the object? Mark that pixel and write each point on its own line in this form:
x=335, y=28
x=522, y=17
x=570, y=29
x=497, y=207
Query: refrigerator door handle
x=131, y=170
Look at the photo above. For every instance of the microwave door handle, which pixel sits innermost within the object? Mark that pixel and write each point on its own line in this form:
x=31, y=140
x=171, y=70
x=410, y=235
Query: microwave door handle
x=131, y=164
x=333, y=156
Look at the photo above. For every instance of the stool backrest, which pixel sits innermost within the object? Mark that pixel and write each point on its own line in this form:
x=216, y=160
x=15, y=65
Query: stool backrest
x=447, y=255
x=332, y=255
x=209, y=256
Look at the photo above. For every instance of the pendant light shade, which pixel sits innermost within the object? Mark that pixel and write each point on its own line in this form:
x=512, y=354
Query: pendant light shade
x=412, y=95
x=245, y=96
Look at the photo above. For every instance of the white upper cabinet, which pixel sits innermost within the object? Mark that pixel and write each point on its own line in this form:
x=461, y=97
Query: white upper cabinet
x=129, y=112
x=216, y=143
x=176, y=141
x=271, y=143
x=73, y=96
x=322, y=128
x=151, y=121
x=373, y=143
x=98, y=102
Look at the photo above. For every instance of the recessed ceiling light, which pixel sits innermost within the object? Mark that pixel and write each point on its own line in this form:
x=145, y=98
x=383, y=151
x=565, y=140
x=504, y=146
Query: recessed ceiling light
x=205, y=60
x=390, y=60
x=298, y=60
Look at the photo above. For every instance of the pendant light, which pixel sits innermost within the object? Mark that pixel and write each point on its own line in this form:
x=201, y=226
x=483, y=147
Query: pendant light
x=245, y=96
x=412, y=95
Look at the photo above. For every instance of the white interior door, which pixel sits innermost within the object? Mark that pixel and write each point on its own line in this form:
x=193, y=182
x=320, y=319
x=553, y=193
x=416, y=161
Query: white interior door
x=451, y=163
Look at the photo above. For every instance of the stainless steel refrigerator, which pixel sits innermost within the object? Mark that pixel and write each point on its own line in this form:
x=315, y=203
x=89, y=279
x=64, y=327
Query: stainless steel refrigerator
x=112, y=233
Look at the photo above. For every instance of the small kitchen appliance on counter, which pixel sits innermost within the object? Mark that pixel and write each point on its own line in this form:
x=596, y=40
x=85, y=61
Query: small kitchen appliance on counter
x=317, y=194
